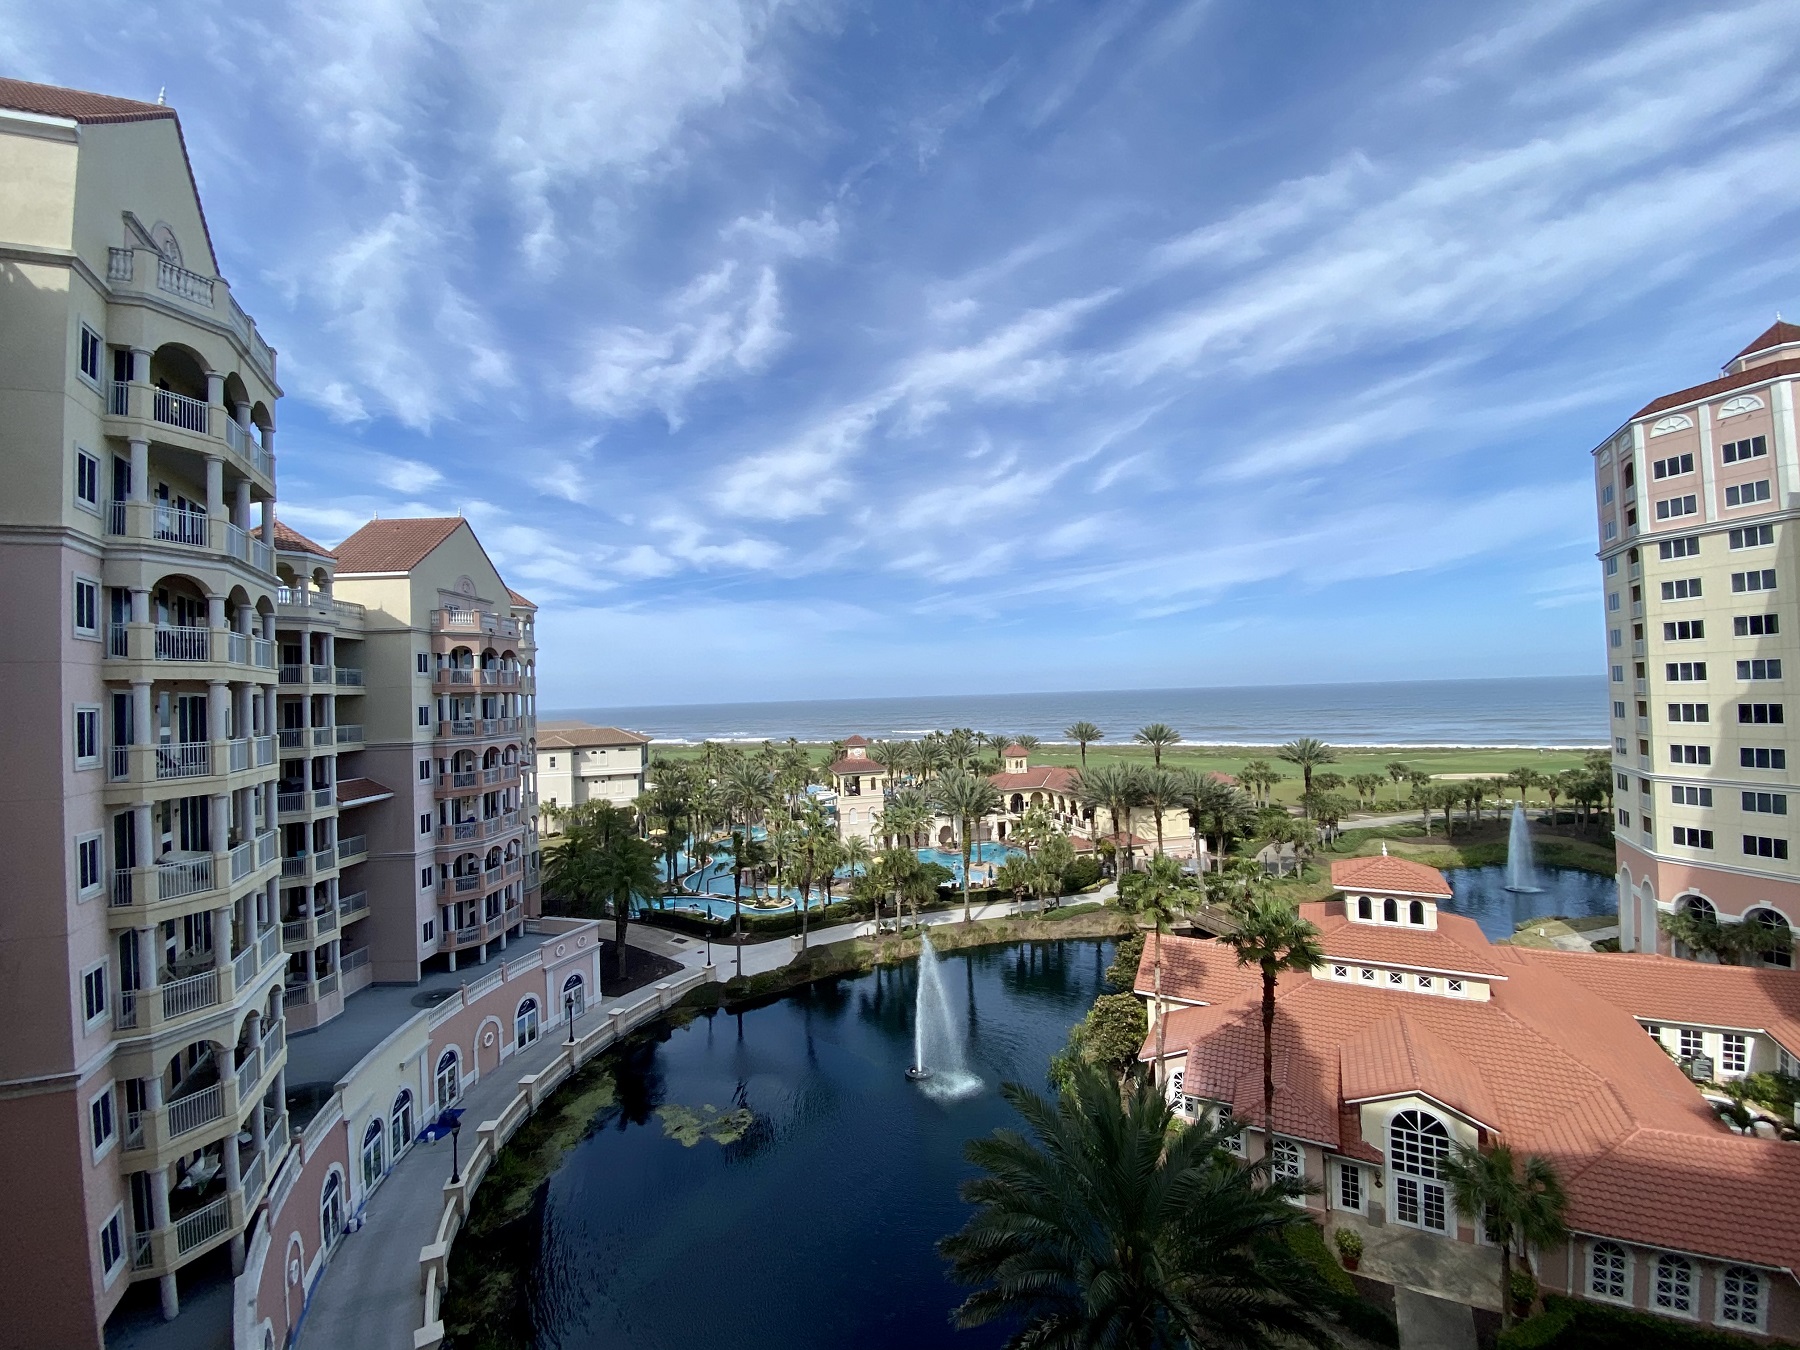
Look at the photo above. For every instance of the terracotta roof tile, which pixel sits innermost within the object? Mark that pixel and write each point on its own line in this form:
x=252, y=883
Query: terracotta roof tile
x=518, y=599
x=582, y=734
x=1777, y=334
x=1013, y=751
x=48, y=100
x=1198, y=970
x=1457, y=945
x=1723, y=385
x=1399, y=1055
x=397, y=545
x=357, y=790
x=1044, y=778
x=1385, y=875
x=855, y=764
x=290, y=540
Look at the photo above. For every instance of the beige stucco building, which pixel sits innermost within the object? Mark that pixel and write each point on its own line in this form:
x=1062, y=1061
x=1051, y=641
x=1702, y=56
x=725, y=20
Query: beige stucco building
x=578, y=762
x=1696, y=501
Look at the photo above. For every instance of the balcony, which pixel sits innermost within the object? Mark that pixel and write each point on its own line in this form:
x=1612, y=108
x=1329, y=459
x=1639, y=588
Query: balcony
x=353, y=906
x=318, y=865
x=487, y=931
x=450, y=680
x=460, y=621
x=189, y=645
x=459, y=831
x=305, y=802
x=158, y=522
x=352, y=850
x=312, y=607
x=349, y=733
x=181, y=761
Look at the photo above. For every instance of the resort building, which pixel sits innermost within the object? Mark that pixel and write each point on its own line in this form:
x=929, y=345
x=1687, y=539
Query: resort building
x=578, y=762
x=862, y=786
x=1415, y=1034
x=142, y=1073
x=1696, y=503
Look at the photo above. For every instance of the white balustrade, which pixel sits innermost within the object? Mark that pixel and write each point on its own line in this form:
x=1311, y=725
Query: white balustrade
x=190, y=995
x=182, y=643
x=176, y=880
x=196, y=1111
x=176, y=759
x=178, y=410
x=177, y=280
x=243, y=860
x=203, y=1225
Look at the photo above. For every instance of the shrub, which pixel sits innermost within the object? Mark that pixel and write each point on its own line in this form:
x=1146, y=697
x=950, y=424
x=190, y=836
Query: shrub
x=1777, y=1091
x=1349, y=1243
x=1354, y=1312
x=1082, y=873
x=1524, y=1285
x=1572, y=1324
x=1122, y=973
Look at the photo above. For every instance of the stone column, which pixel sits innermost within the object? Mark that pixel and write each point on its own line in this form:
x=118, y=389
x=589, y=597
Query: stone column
x=215, y=393
x=240, y=508
x=150, y=965
x=159, y=1214
x=221, y=822
x=218, y=709
x=140, y=365
x=234, y=1184
x=140, y=833
x=140, y=607
x=140, y=471
x=141, y=723
x=221, y=935
x=215, y=487
x=268, y=523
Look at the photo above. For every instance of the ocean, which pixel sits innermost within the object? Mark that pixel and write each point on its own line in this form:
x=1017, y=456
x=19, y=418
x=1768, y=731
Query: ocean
x=1551, y=711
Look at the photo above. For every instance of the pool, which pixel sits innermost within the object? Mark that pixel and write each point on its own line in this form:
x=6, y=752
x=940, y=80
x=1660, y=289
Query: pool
x=993, y=854
x=716, y=882
x=1566, y=893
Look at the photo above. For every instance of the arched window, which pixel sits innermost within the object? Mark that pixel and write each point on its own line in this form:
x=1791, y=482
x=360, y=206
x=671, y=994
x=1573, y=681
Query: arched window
x=525, y=1024
x=1778, y=953
x=1741, y=1297
x=1609, y=1272
x=331, y=1209
x=1674, y=1286
x=1697, y=905
x=1415, y=913
x=400, y=1123
x=1390, y=912
x=374, y=1160
x=1288, y=1161
x=1417, y=1143
x=449, y=1084
x=1364, y=910
x=574, y=993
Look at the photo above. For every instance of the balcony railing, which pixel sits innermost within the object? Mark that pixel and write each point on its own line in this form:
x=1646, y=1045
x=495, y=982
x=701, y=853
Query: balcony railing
x=173, y=525
x=118, y=401
x=349, y=676
x=177, y=880
x=197, y=1111
x=182, y=643
x=465, y=779
x=327, y=985
x=178, y=281
x=190, y=995
x=244, y=966
x=353, y=847
x=349, y=733
x=287, y=802
x=268, y=947
x=292, y=738
x=353, y=960
x=290, y=675
x=238, y=754
x=312, y=603
x=324, y=736
x=178, y=410
x=459, y=830
x=355, y=903
x=190, y=760
x=296, y=930
x=266, y=846
x=203, y=1225
x=321, y=674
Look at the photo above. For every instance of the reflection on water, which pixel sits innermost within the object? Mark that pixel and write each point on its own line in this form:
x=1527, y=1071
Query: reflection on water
x=818, y=1228
x=1566, y=892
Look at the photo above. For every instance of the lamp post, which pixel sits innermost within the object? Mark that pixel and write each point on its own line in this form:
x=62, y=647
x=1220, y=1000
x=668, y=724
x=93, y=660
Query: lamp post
x=455, y=1161
x=569, y=1014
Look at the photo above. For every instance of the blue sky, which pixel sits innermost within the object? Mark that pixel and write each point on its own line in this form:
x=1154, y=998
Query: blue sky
x=818, y=349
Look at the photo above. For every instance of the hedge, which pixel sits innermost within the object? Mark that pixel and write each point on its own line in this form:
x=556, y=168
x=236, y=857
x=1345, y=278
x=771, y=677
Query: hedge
x=1575, y=1324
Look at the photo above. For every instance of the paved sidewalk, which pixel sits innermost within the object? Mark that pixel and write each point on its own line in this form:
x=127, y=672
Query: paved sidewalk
x=369, y=1295
x=1430, y=1323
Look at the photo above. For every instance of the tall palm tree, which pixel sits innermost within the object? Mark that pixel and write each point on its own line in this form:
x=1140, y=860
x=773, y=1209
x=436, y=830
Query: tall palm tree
x=966, y=799
x=905, y=816
x=1523, y=780
x=1156, y=736
x=745, y=853
x=1156, y=896
x=600, y=864
x=892, y=757
x=1272, y=936
x=1397, y=773
x=1119, y=789
x=1103, y=1226
x=1084, y=734
x=1164, y=790
x=857, y=854
x=929, y=757
x=1308, y=753
x=1522, y=1208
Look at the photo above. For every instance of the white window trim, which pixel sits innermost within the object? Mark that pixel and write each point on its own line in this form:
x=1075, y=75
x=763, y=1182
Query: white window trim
x=89, y=1023
x=90, y=761
x=89, y=892
x=1631, y=1265
x=82, y=503
x=1362, y=1188
x=87, y=634
x=1764, y=1289
x=105, y=1146
x=118, y=1217
x=91, y=381
x=1651, y=1305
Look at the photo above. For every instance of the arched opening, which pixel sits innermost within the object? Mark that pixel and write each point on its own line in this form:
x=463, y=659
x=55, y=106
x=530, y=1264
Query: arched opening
x=1390, y=912
x=1417, y=1145
x=1609, y=1272
x=1780, y=950
x=374, y=1158
x=447, y=1081
x=400, y=1123
x=1699, y=907
x=1674, y=1288
x=1364, y=908
x=1415, y=913
x=1018, y=803
x=331, y=1209
x=574, y=994
x=525, y=1024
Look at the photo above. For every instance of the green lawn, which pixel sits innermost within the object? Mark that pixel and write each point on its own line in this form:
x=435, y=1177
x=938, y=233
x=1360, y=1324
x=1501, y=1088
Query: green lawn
x=1229, y=759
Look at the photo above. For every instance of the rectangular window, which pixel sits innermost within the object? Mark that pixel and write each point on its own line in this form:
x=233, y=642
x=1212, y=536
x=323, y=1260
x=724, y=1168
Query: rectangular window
x=425, y=824
x=1618, y=674
x=1755, y=625
x=1612, y=530
x=87, y=736
x=93, y=994
x=1766, y=803
x=1612, y=602
x=1760, y=669
x=1672, y=467
x=424, y=770
x=424, y=715
x=1672, y=508
x=1735, y=452
x=1692, y=838
x=1761, y=714
x=1690, y=1043
x=1686, y=589
x=1618, y=711
x=1747, y=494
x=112, y=1243
x=1687, y=712
x=88, y=863
x=1616, y=637
x=87, y=480
x=1684, y=630
x=1686, y=794
x=1734, y=1056
x=92, y=349
x=424, y=664
x=1762, y=846
x=1752, y=536
x=1763, y=580
x=1690, y=754
x=1606, y=495
x=87, y=607
x=1762, y=757
x=100, y=1120
x=1688, y=546
x=1612, y=567
x=1680, y=672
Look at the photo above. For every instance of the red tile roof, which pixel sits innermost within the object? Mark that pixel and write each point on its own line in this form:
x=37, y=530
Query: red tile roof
x=518, y=599
x=397, y=545
x=290, y=540
x=1382, y=875
x=1773, y=370
x=1777, y=334
x=1044, y=778
x=1457, y=945
x=1206, y=971
x=49, y=100
x=856, y=740
x=853, y=764
x=355, y=791
x=578, y=735
x=1014, y=751
x=1399, y=1055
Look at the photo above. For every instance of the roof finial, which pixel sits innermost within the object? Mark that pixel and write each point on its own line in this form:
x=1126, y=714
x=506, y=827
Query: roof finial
x=1384, y=848
x=162, y=97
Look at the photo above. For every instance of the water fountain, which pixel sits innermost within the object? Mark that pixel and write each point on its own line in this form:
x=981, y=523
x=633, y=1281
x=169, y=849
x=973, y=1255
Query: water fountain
x=940, y=1054
x=1521, y=869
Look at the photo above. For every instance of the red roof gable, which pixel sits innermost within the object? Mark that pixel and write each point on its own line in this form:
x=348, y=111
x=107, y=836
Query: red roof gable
x=290, y=540
x=1773, y=370
x=397, y=545
x=1777, y=334
x=1384, y=875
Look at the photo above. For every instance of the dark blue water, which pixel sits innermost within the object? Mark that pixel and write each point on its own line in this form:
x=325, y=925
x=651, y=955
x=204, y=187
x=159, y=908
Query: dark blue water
x=1567, y=893
x=1547, y=711
x=818, y=1229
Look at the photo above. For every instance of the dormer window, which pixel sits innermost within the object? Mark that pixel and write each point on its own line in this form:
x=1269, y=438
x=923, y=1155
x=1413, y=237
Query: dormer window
x=1364, y=908
x=1390, y=911
x=1415, y=913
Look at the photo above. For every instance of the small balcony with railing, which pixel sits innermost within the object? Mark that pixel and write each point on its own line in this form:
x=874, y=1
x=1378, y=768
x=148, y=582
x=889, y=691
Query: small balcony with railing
x=156, y=522
x=168, y=399
x=191, y=646
x=186, y=877
x=193, y=986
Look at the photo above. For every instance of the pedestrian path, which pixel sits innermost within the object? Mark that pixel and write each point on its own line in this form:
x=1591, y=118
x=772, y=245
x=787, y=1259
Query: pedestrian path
x=1431, y=1323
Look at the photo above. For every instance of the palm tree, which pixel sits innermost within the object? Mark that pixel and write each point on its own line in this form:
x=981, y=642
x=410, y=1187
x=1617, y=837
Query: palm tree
x=1258, y=777
x=1272, y=936
x=1524, y=780
x=1309, y=754
x=1156, y=736
x=1119, y=788
x=1163, y=790
x=892, y=757
x=745, y=853
x=1397, y=773
x=1222, y=810
x=1424, y=796
x=1156, y=895
x=1084, y=734
x=1105, y=1227
x=857, y=853
x=928, y=757
x=599, y=864
x=1366, y=786
x=1516, y=1208
x=966, y=799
